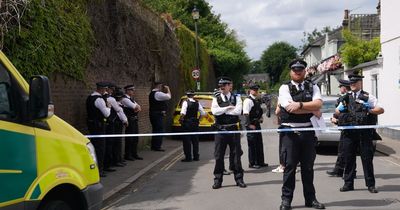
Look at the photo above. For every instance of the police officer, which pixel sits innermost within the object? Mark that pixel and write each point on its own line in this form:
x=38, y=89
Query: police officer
x=115, y=122
x=158, y=98
x=190, y=123
x=119, y=124
x=97, y=113
x=299, y=100
x=344, y=87
x=226, y=108
x=131, y=109
x=358, y=108
x=253, y=117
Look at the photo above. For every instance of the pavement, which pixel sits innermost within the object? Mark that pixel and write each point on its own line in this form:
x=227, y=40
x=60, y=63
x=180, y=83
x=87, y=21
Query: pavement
x=120, y=179
x=124, y=176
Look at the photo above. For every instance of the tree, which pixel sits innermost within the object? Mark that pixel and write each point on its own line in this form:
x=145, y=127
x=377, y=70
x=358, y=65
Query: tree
x=314, y=35
x=227, y=51
x=356, y=51
x=255, y=67
x=276, y=58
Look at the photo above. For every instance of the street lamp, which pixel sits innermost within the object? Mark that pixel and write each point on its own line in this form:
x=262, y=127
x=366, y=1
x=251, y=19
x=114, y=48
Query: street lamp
x=196, y=16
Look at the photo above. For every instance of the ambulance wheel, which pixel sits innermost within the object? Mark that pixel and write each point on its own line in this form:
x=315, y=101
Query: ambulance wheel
x=56, y=205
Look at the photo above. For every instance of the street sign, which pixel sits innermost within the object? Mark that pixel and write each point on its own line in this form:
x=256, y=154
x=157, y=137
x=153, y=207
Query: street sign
x=196, y=73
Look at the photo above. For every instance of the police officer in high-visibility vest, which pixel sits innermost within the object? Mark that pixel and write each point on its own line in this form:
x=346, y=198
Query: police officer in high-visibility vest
x=358, y=108
x=131, y=109
x=227, y=107
x=344, y=87
x=299, y=100
x=190, y=123
x=253, y=117
x=97, y=112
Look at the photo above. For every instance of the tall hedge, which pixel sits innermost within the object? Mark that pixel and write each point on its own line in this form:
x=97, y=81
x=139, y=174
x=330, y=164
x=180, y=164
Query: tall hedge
x=55, y=36
x=188, y=58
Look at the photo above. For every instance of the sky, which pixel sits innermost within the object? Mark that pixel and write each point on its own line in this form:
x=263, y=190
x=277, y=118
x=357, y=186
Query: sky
x=262, y=22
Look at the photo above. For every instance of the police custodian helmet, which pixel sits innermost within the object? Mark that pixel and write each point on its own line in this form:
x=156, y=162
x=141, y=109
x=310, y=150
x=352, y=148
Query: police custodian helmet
x=297, y=65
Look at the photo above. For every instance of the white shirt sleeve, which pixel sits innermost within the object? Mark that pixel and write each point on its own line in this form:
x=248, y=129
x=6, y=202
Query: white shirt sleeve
x=238, y=107
x=201, y=110
x=284, y=96
x=216, y=109
x=373, y=101
x=160, y=96
x=128, y=103
x=101, y=105
x=316, y=93
x=247, y=105
x=184, y=107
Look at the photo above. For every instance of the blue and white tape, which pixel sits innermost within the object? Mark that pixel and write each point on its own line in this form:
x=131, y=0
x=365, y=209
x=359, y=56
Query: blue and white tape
x=268, y=130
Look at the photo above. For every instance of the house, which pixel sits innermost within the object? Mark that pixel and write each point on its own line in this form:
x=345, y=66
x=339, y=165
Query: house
x=389, y=79
x=323, y=59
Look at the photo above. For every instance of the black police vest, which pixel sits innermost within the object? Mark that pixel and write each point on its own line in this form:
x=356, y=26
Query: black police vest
x=129, y=112
x=304, y=95
x=93, y=113
x=156, y=106
x=224, y=118
x=256, y=111
x=356, y=113
x=192, y=109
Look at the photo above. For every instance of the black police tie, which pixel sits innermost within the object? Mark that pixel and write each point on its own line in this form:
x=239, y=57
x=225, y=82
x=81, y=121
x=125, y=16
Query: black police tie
x=354, y=95
x=226, y=98
x=300, y=86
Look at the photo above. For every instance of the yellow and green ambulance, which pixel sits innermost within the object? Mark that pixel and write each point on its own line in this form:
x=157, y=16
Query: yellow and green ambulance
x=45, y=163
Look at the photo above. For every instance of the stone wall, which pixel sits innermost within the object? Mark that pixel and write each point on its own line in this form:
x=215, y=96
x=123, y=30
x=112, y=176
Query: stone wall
x=133, y=46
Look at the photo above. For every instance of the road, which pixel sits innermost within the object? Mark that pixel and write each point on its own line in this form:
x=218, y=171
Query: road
x=179, y=185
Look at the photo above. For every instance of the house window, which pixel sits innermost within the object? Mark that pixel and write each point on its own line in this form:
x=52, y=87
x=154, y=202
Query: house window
x=374, y=83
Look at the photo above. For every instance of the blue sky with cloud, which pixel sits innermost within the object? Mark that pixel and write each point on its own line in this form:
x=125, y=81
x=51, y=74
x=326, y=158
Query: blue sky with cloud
x=261, y=22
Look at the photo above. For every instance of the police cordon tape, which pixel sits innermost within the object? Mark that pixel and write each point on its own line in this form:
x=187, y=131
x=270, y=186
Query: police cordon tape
x=268, y=130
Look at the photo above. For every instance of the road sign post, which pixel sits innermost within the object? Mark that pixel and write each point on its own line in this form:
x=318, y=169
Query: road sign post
x=196, y=77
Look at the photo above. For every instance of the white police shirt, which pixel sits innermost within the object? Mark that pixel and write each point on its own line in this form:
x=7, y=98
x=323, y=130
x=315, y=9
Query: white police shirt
x=161, y=96
x=217, y=110
x=101, y=104
x=117, y=108
x=248, y=104
x=185, y=105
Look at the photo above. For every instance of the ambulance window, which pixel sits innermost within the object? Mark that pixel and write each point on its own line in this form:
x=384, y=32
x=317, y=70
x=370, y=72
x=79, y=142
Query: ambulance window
x=6, y=108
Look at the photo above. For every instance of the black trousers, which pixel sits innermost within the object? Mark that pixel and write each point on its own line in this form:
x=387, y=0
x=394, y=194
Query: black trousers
x=256, y=147
x=131, y=142
x=362, y=140
x=190, y=141
x=98, y=143
x=221, y=141
x=156, y=120
x=298, y=147
x=117, y=145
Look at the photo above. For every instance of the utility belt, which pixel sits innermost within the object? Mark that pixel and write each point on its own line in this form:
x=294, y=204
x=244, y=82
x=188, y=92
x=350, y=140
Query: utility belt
x=225, y=127
x=295, y=132
x=163, y=113
x=133, y=118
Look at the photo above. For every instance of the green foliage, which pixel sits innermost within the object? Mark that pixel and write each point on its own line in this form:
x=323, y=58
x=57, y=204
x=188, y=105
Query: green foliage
x=188, y=58
x=314, y=35
x=228, y=53
x=55, y=36
x=356, y=51
x=275, y=59
x=255, y=67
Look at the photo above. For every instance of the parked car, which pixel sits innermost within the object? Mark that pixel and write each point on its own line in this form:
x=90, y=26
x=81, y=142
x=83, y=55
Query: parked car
x=328, y=137
x=205, y=99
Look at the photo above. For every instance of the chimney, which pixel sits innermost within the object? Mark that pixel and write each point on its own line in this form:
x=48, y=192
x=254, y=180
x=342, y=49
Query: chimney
x=345, y=22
